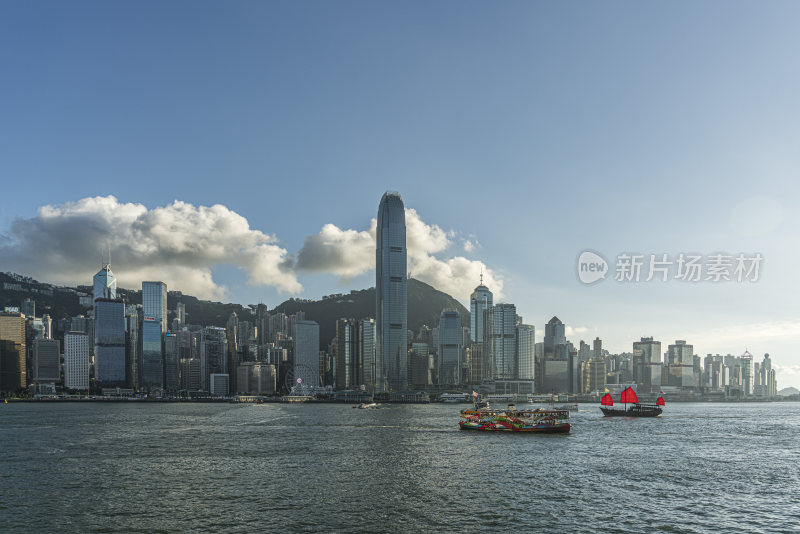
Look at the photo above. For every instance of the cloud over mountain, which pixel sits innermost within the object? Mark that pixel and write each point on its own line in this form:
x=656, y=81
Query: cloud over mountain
x=181, y=243
x=178, y=243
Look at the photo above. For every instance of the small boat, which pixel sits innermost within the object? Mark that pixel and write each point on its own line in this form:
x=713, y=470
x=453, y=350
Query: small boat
x=637, y=409
x=365, y=405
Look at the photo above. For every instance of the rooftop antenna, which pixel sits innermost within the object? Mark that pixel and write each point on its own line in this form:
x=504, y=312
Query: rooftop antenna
x=481, y=275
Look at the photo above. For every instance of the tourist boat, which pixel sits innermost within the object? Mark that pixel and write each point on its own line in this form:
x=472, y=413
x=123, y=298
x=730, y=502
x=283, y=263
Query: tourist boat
x=637, y=409
x=512, y=420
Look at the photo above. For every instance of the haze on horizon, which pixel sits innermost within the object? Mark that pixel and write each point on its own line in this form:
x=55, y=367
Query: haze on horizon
x=239, y=151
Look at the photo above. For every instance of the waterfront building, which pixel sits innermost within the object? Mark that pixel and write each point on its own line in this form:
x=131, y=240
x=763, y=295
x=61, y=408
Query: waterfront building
x=525, y=352
x=109, y=342
x=218, y=384
x=213, y=354
x=76, y=360
x=746, y=364
x=451, y=349
x=13, y=353
x=171, y=365
x=680, y=362
x=154, y=325
x=501, y=323
x=104, y=283
x=479, y=302
x=84, y=324
x=366, y=342
x=306, y=352
x=391, y=294
x=647, y=364
x=190, y=375
x=46, y=360
x=133, y=347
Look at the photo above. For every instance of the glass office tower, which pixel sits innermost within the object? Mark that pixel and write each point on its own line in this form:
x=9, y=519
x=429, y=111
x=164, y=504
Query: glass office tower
x=154, y=325
x=109, y=342
x=391, y=295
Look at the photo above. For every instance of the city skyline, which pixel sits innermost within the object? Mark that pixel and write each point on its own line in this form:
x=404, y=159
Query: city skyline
x=520, y=137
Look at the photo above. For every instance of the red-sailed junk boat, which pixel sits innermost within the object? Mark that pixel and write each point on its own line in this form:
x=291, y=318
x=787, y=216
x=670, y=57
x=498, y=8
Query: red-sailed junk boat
x=637, y=409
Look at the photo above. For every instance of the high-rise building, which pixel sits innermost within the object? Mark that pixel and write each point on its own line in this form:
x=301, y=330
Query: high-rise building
x=680, y=362
x=76, y=360
x=647, y=364
x=391, y=295
x=133, y=347
x=306, y=352
x=746, y=363
x=366, y=341
x=349, y=363
x=213, y=354
x=154, y=325
x=554, y=335
x=109, y=342
x=181, y=313
x=526, y=345
x=13, y=365
x=171, y=365
x=105, y=283
x=451, y=349
x=501, y=339
x=479, y=302
x=46, y=360
x=28, y=308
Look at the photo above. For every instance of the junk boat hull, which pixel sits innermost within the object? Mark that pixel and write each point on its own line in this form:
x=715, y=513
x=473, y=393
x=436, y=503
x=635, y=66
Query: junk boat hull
x=637, y=410
x=512, y=420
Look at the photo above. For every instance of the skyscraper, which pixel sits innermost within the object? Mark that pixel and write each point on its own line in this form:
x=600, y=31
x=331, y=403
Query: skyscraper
x=13, y=367
x=105, y=283
x=391, y=295
x=76, y=360
x=213, y=354
x=451, y=348
x=501, y=334
x=647, y=364
x=526, y=343
x=109, y=342
x=306, y=352
x=479, y=302
x=46, y=360
x=154, y=325
x=680, y=361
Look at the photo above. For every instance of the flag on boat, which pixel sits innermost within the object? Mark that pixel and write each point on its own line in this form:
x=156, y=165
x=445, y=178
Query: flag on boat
x=474, y=394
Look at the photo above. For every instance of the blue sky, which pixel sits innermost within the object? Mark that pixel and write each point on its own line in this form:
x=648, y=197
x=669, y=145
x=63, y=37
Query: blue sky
x=536, y=129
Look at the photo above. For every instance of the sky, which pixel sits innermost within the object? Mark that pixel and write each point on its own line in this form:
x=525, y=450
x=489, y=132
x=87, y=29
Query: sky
x=239, y=150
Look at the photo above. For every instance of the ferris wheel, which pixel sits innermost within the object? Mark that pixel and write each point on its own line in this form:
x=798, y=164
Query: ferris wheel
x=299, y=380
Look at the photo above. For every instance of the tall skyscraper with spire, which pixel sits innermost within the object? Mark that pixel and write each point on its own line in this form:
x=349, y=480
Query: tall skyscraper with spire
x=479, y=302
x=391, y=295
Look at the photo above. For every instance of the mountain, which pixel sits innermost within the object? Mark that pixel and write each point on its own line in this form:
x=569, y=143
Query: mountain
x=425, y=304
x=788, y=392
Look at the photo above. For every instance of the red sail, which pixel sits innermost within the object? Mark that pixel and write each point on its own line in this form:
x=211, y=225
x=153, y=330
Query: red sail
x=660, y=401
x=629, y=396
x=607, y=400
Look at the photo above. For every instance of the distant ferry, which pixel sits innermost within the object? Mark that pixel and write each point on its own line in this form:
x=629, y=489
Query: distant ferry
x=454, y=397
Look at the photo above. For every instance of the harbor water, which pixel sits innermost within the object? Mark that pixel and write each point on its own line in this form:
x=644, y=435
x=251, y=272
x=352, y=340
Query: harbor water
x=153, y=467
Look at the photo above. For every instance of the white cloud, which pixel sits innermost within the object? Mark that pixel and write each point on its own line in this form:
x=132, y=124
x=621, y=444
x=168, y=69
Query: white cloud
x=348, y=253
x=178, y=244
